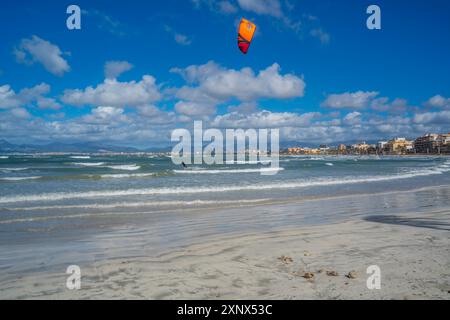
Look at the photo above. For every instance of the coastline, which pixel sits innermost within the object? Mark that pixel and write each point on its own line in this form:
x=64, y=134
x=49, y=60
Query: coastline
x=411, y=248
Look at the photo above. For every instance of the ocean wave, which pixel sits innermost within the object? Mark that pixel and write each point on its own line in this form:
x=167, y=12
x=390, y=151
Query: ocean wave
x=205, y=171
x=4, y=157
x=89, y=164
x=19, y=178
x=131, y=167
x=329, y=164
x=13, y=169
x=227, y=188
x=131, y=175
x=80, y=157
x=265, y=162
x=178, y=203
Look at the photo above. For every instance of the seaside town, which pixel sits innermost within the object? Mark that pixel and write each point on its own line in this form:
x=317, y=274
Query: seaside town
x=427, y=144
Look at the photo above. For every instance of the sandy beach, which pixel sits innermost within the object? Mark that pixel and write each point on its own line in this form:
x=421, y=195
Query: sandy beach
x=412, y=251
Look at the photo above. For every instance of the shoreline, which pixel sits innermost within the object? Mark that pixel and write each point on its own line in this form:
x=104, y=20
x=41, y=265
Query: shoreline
x=411, y=249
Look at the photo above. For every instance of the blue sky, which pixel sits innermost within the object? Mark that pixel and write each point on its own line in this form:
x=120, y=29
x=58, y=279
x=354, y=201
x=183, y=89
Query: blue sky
x=313, y=70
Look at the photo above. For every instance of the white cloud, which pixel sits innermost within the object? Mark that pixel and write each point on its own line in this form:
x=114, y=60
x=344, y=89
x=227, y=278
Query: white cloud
x=106, y=22
x=39, y=50
x=355, y=100
x=263, y=119
x=264, y=7
x=222, y=6
x=113, y=69
x=226, y=7
x=219, y=84
x=154, y=115
x=182, y=39
x=20, y=113
x=352, y=118
x=194, y=109
x=48, y=103
x=323, y=36
x=438, y=101
x=383, y=104
x=26, y=97
x=105, y=115
x=116, y=94
x=441, y=117
x=179, y=38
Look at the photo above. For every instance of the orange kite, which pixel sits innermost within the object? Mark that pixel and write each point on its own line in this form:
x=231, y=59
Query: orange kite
x=246, y=31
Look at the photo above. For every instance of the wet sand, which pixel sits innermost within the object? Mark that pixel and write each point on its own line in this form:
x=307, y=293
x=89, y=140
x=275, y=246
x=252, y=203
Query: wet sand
x=310, y=262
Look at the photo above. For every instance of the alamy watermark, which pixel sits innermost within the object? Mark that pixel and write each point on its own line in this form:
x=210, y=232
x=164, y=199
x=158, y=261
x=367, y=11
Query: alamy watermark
x=374, y=280
x=73, y=281
x=236, y=146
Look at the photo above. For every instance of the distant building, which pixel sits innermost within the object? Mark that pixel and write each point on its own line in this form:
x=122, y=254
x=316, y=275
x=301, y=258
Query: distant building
x=361, y=148
x=433, y=143
x=399, y=146
x=342, y=149
x=381, y=146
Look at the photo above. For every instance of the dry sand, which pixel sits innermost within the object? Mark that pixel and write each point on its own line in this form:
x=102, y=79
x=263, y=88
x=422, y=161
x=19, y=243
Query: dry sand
x=412, y=251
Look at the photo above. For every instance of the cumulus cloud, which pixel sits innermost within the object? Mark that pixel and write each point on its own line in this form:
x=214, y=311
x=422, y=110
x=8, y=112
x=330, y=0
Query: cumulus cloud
x=438, y=101
x=116, y=94
x=263, y=119
x=352, y=118
x=195, y=109
x=26, y=97
x=113, y=69
x=441, y=117
x=350, y=100
x=38, y=50
x=220, y=84
x=20, y=113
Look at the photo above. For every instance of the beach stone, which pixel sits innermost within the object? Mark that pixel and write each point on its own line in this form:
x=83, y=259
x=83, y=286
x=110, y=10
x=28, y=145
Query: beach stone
x=332, y=273
x=308, y=275
x=286, y=259
x=306, y=253
x=352, y=275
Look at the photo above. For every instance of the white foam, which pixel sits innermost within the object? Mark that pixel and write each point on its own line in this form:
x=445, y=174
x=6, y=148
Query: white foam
x=142, y=204
x=80, y=157
x=13, y=169
x=4, y=157
x=19, y=178
x=227, y=188
x=228, y=171
x=89, y=164
x=329, y=164
x=265, y=162
x=131, y=167
x=122, y=176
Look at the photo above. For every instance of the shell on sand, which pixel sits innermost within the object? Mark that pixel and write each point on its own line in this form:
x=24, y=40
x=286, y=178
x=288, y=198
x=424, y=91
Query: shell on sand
x=352, y=275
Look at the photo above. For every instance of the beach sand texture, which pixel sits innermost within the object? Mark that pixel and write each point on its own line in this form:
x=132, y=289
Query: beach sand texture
x=413, y=253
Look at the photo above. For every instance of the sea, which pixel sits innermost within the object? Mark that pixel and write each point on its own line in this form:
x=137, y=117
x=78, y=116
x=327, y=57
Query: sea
x=57, y=210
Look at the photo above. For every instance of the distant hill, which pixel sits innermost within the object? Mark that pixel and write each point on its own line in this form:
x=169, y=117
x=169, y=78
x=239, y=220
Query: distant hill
x=88, y=147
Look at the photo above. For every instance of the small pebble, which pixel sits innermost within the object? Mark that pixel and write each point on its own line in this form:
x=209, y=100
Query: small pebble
x=308, y=275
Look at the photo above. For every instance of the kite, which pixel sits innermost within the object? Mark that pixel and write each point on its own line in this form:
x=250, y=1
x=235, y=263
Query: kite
x=246, y=31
